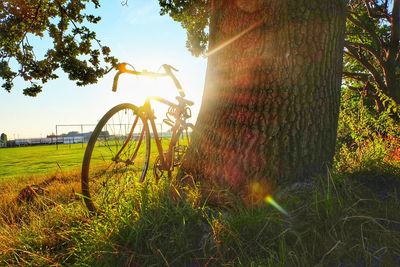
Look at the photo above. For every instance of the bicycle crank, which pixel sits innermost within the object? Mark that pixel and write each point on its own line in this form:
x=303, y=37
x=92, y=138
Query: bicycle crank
x=158, y=170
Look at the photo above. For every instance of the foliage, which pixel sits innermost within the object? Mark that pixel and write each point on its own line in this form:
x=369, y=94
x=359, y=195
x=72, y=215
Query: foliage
x=75, y=48
x=359, y=120
x=66, y=25
x=366, y=139
x=194, y=17
x=369, y=130
x=372, y=51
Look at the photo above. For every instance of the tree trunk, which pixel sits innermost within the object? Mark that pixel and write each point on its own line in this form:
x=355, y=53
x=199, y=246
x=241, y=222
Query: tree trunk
x=271, y=101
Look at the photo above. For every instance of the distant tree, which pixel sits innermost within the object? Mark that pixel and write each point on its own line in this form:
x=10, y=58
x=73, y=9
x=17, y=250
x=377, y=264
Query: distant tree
x=4, y=139
x=72, y=133
x=76, y=49
x=372, y=51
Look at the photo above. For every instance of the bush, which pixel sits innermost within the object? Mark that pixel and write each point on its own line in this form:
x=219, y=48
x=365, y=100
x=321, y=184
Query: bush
x=359, y=121
x=367, y=140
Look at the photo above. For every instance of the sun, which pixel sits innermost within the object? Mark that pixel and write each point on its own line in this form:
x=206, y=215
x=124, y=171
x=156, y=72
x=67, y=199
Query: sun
x=136, y=89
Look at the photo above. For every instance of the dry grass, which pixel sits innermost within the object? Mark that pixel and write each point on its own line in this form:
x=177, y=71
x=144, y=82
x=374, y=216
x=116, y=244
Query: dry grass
x=55, y=190
x=37, y=219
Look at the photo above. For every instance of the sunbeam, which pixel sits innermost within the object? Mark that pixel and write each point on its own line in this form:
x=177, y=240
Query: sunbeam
x=234, y=38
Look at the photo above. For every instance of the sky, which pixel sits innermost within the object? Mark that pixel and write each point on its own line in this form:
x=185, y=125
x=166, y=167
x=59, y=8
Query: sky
x=136, y=34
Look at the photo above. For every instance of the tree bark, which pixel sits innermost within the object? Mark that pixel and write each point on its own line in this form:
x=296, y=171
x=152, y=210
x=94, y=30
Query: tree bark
x=271, y=101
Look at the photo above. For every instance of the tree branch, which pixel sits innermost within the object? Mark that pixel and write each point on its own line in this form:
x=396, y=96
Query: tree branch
x=369, y=49
x=32, y=22
x=377, y=11
x=63, y=11
x=378, y=41
x=352, y=52
x=362, y=77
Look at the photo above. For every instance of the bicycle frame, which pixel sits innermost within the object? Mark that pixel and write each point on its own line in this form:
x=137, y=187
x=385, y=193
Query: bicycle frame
x=166, y=159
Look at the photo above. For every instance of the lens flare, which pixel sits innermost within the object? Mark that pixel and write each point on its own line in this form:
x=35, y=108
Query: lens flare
x=269, y=200
x=260, y=191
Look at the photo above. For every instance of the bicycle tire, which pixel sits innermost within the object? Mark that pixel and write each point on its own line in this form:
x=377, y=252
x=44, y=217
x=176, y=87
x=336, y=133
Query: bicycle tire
x=179, y=152
x=181, y=147
x=111, y=162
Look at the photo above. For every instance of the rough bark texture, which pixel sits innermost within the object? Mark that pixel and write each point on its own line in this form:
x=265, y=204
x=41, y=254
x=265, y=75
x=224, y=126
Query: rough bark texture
x=271, y=101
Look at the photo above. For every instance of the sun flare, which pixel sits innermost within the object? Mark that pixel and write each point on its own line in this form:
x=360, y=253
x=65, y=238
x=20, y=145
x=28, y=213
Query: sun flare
x=260, y=191
x=136, y=89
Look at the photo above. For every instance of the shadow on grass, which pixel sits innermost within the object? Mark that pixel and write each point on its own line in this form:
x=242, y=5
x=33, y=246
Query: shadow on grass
x=347, y=220
x=338, y=223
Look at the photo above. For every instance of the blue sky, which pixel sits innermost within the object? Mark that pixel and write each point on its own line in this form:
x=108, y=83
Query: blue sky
x=137, y=34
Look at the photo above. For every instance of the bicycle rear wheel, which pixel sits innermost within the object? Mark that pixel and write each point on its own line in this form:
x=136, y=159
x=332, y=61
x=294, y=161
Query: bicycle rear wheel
x=181, y=147
x=179, y=151
x=116, y=156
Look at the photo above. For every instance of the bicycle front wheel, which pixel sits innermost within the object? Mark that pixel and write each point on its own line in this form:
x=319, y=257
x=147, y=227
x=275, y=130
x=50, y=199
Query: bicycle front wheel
x=116, y=156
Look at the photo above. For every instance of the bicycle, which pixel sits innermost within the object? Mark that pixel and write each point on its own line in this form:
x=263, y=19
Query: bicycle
x=118, y=151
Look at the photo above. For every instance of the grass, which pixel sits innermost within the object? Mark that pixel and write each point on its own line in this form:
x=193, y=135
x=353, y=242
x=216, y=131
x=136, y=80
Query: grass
x=338, y=222
x=38, y=160
x=24, y=162
x=342, y=220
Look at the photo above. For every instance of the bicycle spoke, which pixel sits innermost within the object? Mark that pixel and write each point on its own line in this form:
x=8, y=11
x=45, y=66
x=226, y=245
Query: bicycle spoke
x=117, y=158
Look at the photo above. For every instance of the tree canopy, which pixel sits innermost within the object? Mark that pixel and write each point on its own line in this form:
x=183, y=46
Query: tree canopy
x=194, y=17
x=372, y=54
x=75, y=47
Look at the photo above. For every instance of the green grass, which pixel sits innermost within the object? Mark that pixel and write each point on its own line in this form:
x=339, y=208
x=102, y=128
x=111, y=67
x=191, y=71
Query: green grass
x=22, y=162
x=39, y=160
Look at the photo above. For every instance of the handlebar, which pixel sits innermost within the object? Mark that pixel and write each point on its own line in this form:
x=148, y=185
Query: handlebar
x=167, y=72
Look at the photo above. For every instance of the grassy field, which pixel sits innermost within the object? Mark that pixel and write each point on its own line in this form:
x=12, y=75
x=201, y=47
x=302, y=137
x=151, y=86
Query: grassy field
x=39, y=160
x=23, y=162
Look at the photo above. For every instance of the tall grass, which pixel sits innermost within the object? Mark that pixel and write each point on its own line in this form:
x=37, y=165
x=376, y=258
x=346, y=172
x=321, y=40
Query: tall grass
x=339, y=221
